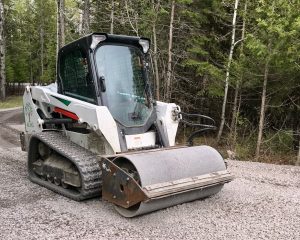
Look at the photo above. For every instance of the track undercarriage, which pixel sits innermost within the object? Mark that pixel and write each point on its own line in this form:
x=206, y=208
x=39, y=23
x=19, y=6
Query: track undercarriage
x=64, y=167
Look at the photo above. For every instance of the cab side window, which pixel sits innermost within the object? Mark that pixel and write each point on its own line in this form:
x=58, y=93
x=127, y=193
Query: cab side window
x=75, y=76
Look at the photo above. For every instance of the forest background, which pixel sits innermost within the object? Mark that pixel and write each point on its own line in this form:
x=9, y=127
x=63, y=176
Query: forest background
x=234, y=60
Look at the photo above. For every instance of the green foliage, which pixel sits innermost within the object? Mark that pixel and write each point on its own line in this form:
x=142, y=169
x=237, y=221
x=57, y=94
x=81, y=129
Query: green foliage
x=201, y=43
x=25, y=22
x=278, y=142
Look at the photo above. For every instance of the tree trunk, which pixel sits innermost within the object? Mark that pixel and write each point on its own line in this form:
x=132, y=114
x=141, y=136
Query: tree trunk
x=262, y=110
x=155, y=60
x=134, y=28
x=296, y=124
x=298, y=157
x=169, y=69
x=235, y=111
x=42, y=50
x=60, y=24
x=31, y=65
x=2, y=54
x=157, y=83
x=80, y=24
x=112, y=15
x=86, y=18
x=236, y=120
x=228, y=71
x=296, y=130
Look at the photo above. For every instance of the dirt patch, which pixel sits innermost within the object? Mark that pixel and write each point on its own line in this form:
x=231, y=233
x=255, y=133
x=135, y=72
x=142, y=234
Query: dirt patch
x=9, y=137
x=12, y=116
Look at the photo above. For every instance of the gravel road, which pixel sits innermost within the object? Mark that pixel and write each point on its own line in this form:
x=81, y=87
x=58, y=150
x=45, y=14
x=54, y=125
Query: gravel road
x=263, y=202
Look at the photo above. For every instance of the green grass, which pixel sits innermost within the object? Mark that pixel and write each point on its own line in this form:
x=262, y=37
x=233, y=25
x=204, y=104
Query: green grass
x=11, y=102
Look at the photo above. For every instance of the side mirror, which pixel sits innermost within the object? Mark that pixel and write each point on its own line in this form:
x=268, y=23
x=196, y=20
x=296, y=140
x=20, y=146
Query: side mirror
x=102, y=83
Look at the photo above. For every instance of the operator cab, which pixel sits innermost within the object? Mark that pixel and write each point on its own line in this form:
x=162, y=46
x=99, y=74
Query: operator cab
x=113, y=71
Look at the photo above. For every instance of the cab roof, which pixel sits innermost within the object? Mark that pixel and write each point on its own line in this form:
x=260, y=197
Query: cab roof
x=86, y=41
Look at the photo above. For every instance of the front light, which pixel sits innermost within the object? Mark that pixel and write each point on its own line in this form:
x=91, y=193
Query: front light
x=96, y=39
x=145, y=43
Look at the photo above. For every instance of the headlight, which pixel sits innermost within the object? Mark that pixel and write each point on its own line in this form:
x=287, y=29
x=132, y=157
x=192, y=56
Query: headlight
x=96, y=40
x=145, y=43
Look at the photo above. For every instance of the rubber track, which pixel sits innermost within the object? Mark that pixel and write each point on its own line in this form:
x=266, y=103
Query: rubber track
x=87, y=163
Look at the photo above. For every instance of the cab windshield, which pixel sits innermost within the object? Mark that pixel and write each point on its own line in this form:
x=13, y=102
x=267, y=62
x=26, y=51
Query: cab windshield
x=121, y=67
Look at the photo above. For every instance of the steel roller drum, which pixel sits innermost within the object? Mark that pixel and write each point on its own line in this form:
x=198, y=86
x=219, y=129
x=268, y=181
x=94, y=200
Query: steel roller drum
x=169, y=165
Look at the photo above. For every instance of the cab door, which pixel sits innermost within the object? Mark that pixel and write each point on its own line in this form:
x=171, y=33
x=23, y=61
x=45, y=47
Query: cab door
x=75, y=75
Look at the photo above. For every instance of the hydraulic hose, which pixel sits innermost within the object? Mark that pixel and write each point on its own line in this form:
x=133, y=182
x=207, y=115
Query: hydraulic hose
x=204, y=127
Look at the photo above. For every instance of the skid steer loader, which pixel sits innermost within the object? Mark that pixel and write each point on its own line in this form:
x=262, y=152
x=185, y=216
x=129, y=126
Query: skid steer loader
x=97, y=131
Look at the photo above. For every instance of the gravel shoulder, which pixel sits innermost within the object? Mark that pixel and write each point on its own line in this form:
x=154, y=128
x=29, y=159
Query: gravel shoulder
x=263, y=202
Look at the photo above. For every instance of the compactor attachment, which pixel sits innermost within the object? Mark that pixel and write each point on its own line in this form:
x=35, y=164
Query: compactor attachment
x=143, y=182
